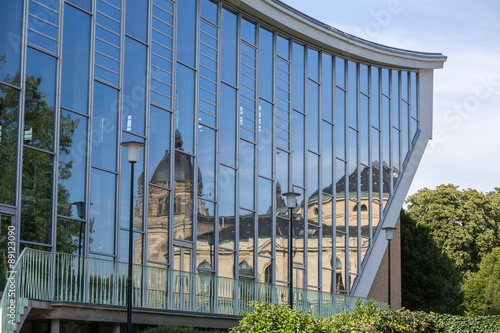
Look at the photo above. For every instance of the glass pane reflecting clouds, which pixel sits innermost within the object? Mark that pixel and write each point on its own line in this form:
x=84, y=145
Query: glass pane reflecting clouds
x=265, y=147
x=228, y=126
x=229, y=47
x=247, y=176
x=72, y=163
x=10, y=54
x=298, y=76
x=327, y=158
x=134, y=88
x=9, y=108
x=298, y=149
x=326, y=87
x=159, y=149
x=184, y=111
x=104, y=126
x=186, y=32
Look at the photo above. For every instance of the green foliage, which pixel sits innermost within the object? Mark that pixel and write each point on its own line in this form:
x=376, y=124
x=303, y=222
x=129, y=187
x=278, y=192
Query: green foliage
x=429, y=280
x=275, y=318
x=464, y=224
x=365, y=318
x=483, y=286
x=177, y=329
x=467, y=324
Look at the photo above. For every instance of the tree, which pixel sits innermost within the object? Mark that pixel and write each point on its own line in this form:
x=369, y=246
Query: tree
x=464, y=224
x=483, y=285
x=429, y=279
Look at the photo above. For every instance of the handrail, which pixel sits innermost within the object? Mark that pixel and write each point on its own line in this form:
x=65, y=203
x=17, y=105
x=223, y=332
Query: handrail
x=100, y=281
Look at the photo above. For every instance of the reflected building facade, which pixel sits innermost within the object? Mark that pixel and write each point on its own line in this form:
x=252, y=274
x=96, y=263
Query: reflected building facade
x=237, y=102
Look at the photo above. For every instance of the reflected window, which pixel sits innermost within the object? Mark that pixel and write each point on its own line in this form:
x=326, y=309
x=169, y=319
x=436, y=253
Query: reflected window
x=245, y=269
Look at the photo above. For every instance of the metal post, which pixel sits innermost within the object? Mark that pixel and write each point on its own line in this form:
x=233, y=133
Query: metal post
x=389, y=270
x=130, y=241
x=290, y=263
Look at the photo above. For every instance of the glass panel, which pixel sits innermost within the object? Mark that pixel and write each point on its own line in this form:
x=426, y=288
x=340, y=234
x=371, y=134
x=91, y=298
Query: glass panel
x=395, y=153
x=102, y=212
x=265, y=147
x=246, y=246
x=182, y=260
x=327, y=232
x=282, y=230
x=206, y=162
x=84, y=4
x=298, y=282
x=137, y=19
x=136, y=247
x=226, y=263
x=364, y=129
x=313, y=116
x=8, y=232
x=265, y=217
x=184, y=111
x=312, y=256
x=353, y=242
x=134, y=87
x=364, y=202
x=39, y=101
x=70, y=236
x=340, y=123
x=298, y=76
x=405, y=124
x=72, y=164
x=404, y=86
x=186, y=32
x=159, y=148
x=414, y=127
x=227, y=142
x=326, y=87
x=352, y=167
x=386, y=134
x=328, y=278
x=352, y=95
x=183, y=196
x=138, y=188
x=312, y=187
x=327, y=158
x=374, y=96
x=265, y=272
x=75, y=59
x=266, y=64
x=229, y=47
x=363, y=78
x=283, y=47
x=298, y=149
x=247, y=174
x=227, y=204
x=313, y=64
x=385, y=81
x=340, y=72
x=248, y=31
x=36, y=199
x=413, y=94
x=205, y=229
x=158, y=212
x=340, y=264
x=281, y=181
x=42, y=24
x=340, y=180
x=209, y=11
x=395, y=98
x=376, y=165
x=10, y=27
x=298, y=229
x=364, y=245
x=104, y=126
x=9, y=108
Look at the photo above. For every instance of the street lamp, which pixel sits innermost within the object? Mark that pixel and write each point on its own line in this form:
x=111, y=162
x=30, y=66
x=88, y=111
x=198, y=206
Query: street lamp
x=488, y=305
x=389, y=234
x=132, y=156
x=291, y=203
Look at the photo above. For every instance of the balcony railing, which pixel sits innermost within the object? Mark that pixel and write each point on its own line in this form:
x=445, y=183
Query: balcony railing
x=62, y=277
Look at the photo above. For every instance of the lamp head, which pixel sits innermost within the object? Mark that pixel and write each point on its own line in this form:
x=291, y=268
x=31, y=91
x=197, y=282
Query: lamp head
x=132, y=150
x=291, y=199
x=389, y=232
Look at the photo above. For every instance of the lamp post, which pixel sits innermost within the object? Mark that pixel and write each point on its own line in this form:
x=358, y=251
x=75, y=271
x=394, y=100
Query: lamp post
x=132, y=156
x=389, y=234
x=291, y=203
x=488, y=305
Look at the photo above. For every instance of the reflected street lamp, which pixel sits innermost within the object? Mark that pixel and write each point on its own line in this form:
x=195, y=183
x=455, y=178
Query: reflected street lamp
x=389, y=234
x=291, y=203
x=488, y=305
x=132, y=156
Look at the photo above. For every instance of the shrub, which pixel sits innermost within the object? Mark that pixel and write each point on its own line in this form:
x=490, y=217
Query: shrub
x=178, y=329
x=467, y=324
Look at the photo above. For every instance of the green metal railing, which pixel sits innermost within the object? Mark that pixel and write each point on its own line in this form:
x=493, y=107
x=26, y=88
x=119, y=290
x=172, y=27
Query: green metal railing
x=70, y=278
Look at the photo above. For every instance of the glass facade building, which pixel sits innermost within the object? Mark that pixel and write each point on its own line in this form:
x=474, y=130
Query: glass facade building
x=234, y=107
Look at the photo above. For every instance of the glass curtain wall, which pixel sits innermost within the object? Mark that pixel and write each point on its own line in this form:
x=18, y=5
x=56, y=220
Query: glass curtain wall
x=233, y=114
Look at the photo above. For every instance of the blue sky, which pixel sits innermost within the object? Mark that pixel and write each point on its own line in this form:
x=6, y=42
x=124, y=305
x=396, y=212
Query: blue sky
x=465, y=149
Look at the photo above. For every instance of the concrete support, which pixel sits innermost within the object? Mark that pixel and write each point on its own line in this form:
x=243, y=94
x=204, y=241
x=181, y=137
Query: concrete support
x=55, y=326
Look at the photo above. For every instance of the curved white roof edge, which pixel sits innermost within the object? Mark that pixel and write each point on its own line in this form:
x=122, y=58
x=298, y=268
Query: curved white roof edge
x=297, y=24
